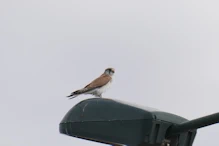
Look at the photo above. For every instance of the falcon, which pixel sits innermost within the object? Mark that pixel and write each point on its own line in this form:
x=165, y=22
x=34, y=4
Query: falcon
x=97, y=86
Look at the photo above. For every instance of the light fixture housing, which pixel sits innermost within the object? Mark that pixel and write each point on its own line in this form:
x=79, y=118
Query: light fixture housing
x=117, y=123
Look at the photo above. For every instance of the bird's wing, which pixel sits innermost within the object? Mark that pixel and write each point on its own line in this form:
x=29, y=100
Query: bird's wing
x=98, y=82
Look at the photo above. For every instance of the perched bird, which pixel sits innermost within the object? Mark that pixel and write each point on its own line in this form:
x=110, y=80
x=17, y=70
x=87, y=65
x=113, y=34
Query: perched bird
x=97, y=86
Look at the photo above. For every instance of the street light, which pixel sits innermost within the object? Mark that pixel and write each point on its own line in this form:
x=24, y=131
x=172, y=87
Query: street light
x=116, y=123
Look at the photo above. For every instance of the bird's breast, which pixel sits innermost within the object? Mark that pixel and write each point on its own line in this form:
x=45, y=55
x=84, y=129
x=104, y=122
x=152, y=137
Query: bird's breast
x=104, y=88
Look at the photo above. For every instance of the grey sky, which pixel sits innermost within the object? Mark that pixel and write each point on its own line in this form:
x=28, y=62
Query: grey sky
x=166, y=56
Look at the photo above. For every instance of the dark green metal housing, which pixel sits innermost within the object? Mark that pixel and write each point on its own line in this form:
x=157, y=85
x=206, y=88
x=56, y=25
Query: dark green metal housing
x=113, y=122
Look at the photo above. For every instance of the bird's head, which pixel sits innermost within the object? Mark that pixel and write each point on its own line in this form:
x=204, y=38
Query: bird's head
x=109, y=71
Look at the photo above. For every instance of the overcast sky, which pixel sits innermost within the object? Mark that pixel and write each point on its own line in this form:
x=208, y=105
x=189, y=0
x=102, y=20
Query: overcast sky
x=165, y=53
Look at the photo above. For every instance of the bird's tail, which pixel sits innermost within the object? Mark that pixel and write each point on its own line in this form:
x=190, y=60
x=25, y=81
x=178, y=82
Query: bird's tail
x=76, y=93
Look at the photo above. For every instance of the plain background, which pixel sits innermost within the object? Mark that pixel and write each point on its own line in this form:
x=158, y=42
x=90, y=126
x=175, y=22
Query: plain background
x=166, y=56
